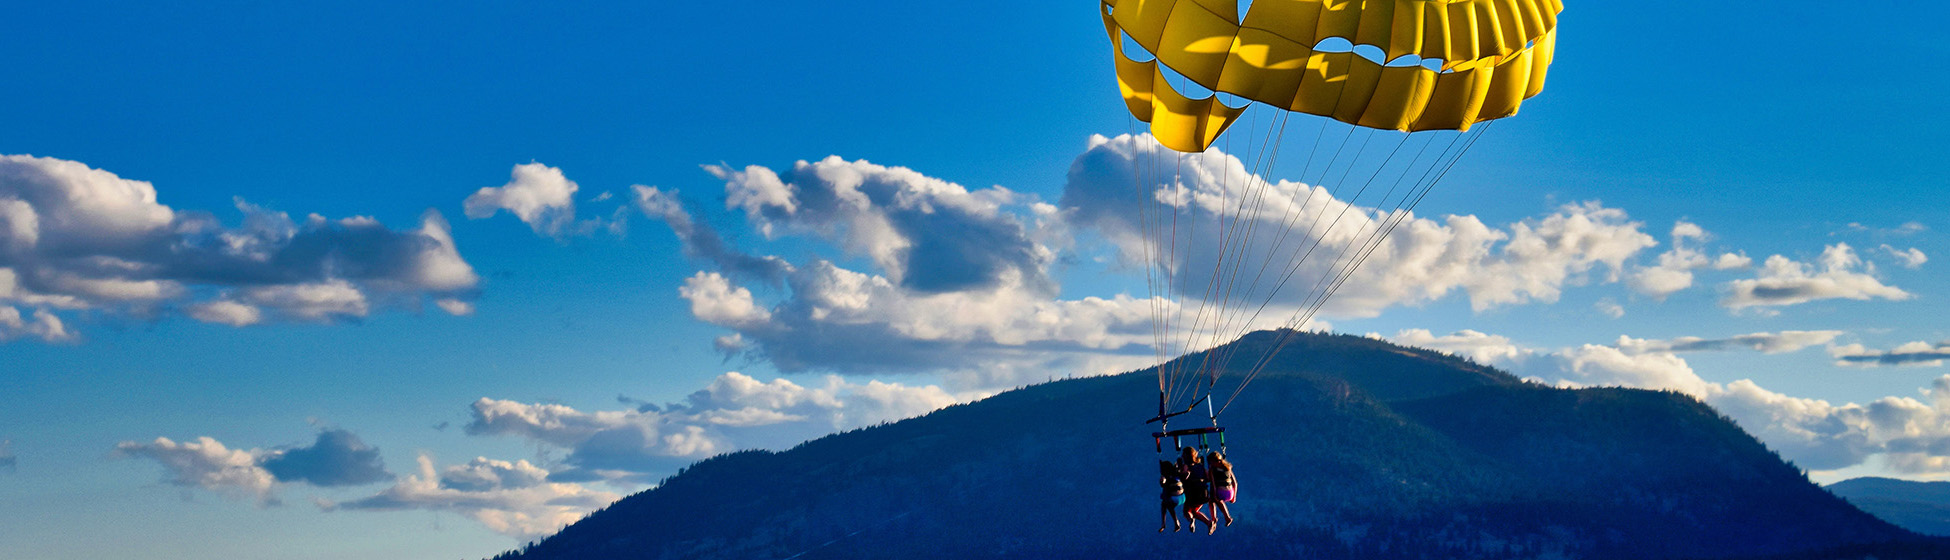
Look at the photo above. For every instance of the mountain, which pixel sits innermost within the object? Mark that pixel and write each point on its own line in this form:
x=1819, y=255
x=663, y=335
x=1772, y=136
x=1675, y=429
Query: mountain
x=1923, y=507
x=1345, y=447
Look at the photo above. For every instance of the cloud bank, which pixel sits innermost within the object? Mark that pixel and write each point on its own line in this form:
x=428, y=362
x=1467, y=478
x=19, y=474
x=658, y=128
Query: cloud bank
x=1911, y=434
x=1421, y=261
x=514, y=499
x=734, y=412
x=928, y=275
x=77, y=238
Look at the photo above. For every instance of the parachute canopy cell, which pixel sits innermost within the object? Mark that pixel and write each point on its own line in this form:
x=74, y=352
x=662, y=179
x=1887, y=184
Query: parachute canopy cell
x=1492, y=54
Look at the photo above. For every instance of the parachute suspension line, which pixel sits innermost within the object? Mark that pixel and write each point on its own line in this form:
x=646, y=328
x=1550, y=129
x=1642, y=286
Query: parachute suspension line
x=1400, y=214
x=1229, y=232
x=1254, y=192
x=1286, y=335
x=1137, y=187
x=1165, y=264
x=1294, y=212
x=1302, y=258
x=1144, y=226
x=1240, y=323
x=1262, y=160
x=1234, y=244
x=1199, y=167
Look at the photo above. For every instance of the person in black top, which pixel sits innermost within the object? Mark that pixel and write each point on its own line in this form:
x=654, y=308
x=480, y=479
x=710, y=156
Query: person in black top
x=1198, y=489
x=1173, y=485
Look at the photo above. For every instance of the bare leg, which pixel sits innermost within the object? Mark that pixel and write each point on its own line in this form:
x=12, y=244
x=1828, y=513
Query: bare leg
x=1224, y=511
x=1198, y=513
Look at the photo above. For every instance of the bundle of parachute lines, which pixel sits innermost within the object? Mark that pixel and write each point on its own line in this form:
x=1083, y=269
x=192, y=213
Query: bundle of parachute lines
x=1372, y=73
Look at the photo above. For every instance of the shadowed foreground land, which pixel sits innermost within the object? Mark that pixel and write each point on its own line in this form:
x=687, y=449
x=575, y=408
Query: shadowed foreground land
x=1346, y=447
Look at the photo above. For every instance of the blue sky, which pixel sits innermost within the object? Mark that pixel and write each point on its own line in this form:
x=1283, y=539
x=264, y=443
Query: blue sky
x=1787, y=132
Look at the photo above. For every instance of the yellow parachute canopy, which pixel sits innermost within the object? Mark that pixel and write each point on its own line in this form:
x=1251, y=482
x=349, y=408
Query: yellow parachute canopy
x=1493, y=53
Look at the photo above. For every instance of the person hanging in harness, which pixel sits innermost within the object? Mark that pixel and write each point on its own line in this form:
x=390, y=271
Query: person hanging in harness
x=1172, y=483
x=1225, y=488
x=1198, y=489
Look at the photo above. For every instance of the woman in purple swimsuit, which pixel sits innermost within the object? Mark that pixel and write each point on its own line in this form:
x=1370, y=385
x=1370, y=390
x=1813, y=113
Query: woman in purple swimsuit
x=1225, y=488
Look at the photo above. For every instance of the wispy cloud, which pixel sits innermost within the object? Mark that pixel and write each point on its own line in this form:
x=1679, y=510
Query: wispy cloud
x=1911, y=258
x=1909, y=354
x=1766, y=342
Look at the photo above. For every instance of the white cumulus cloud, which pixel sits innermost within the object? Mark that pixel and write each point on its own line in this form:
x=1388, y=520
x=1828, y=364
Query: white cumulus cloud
x=206, y=463
x=77, y=238
x=541, y=196
x=511, y=498
x=43, y=325
x=958, y=281
x=1674, y=272
x=1422, y=260
x=1911, y=258
x=1838, y=274
x=734, y=412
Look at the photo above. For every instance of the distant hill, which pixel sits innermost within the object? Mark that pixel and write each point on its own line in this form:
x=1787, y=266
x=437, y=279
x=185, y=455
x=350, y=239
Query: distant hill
x=1346, y=447
x=1923, y=507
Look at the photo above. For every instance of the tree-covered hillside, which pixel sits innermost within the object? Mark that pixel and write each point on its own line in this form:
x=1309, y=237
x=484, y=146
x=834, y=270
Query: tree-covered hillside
x=1346, y=447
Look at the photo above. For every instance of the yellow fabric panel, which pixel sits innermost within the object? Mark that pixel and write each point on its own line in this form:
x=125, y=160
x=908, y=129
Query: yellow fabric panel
x=1133, y=78
x=1338, y=18
x=1292, y=19
x=1435, y=33
x=1489, y=29
x=1400, y=97
x=1134, y=81
x=1406, y=37
x=1265, y=67
x=1185, y=124
x=1495, y=53
x=1228, y=9
x=1463, y=41
x=1509, y=24
x=1320, y=85
x=1509, y=83
x=1217, y=120
x=1196, y=43
x=1457, y=100
x=1546, y=49
x=1363, y=77
x=1377, y=25
x=1532, y=16
x=1143, y=20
